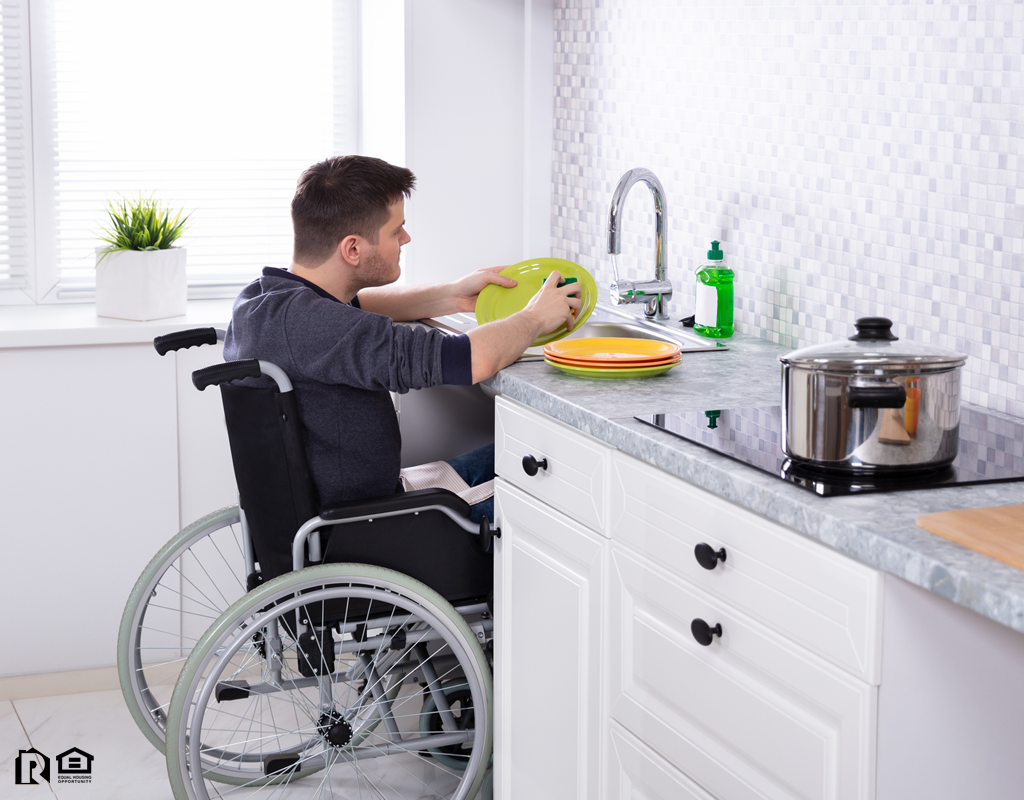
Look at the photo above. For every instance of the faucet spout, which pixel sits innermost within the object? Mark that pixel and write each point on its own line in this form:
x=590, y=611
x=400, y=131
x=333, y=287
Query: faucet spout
x=651, y=293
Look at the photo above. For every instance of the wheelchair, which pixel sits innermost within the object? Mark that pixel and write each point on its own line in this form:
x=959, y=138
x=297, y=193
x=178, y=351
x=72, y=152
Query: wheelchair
x=281, y=649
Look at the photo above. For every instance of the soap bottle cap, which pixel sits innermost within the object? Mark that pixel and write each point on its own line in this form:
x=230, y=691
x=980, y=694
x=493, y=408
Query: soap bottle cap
x=714, y=254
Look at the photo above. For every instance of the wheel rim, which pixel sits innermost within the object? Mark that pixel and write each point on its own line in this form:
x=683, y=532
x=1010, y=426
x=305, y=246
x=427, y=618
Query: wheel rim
x=186, y=586
x=372, y=754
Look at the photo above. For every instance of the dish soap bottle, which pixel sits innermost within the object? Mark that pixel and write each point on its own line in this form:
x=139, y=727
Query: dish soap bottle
x=713, y=317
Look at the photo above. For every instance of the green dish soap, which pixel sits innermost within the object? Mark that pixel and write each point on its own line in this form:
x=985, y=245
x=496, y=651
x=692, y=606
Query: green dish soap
x=713, y=317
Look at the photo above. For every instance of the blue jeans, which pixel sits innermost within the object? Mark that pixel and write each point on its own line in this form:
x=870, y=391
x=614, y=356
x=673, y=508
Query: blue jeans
x=474, y=468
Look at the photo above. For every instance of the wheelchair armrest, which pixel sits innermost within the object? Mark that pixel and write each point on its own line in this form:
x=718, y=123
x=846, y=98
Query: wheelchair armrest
x=400, y=502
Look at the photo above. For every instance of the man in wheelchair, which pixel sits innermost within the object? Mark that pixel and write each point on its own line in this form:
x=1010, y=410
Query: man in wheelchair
x=328, y=322
x=268, y=660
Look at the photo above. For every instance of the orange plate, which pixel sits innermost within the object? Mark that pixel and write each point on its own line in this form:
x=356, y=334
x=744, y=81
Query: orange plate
x=572, y=362
x=603, y=349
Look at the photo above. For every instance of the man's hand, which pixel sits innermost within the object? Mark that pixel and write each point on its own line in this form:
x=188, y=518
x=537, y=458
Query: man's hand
x=554, y=304
x=465, y=290
x=498, y=344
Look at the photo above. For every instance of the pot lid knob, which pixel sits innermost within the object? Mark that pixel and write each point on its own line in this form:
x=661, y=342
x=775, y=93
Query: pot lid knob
x=873, y=328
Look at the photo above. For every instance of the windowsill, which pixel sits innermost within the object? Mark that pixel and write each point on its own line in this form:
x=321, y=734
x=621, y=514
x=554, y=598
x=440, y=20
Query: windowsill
x=69, y=324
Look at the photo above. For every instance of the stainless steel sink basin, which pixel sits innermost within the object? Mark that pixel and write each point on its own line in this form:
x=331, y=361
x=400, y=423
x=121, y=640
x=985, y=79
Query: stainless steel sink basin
x=603, y=322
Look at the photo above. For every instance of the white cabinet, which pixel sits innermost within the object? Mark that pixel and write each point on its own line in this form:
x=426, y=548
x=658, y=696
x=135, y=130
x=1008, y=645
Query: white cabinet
x=572, y=471
x=597, y=591
x=750, y=715
x=824, y=601
x=635, y=772
x=548, y=652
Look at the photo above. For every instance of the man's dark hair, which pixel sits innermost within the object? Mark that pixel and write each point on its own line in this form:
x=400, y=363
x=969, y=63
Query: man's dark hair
x=341, y=196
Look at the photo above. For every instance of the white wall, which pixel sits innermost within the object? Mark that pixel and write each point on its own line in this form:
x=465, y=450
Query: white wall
x=89, y=486
x=466, y=97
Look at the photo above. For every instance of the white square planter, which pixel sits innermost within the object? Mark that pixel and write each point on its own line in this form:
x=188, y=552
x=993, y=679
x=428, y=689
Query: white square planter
x=141, y=284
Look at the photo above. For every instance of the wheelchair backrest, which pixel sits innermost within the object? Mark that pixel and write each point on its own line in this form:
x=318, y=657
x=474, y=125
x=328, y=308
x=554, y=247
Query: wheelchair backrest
x=275, y=488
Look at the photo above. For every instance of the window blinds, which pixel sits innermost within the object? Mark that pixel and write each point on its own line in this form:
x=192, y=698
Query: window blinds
x=215, y=107
x=15, y=148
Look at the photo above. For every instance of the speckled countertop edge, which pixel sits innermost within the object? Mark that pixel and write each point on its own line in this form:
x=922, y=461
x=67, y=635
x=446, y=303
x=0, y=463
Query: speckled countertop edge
x=876, y=529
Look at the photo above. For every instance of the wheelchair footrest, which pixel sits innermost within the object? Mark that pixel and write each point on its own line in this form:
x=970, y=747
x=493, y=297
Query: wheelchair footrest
x=279, y=762
x=231, y=690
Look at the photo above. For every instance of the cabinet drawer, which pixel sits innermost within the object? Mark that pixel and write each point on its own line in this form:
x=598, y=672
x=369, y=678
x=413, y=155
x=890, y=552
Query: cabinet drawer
x=817, y=597
x=751, y=715
x=636, y=772
x=575, y=478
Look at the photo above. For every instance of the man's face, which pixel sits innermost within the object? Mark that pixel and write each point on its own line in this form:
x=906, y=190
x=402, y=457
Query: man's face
x=381, y=266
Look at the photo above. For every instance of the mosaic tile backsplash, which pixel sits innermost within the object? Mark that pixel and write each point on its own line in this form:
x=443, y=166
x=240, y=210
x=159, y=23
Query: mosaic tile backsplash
x=854, y=158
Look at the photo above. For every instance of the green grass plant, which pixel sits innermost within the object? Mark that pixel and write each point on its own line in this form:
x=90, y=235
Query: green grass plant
x=141, y=224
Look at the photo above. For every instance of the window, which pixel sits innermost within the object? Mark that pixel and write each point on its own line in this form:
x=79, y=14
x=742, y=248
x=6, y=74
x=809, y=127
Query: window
x=213, y=106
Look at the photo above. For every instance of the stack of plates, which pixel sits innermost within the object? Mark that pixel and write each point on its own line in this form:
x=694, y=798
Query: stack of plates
x=612, y=357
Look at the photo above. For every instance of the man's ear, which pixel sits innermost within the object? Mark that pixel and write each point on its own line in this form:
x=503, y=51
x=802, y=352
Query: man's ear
x=351, y=249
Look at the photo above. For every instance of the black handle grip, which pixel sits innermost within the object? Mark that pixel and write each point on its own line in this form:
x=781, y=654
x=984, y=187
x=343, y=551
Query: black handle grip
x=884, y=395
x=182, y=339
x=704, y=633
x=531, y=465
x=873, y=329
x=707, y=556
x=228, y=371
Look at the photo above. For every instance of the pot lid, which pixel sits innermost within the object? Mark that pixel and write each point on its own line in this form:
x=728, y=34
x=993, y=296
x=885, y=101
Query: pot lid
x=873, y=346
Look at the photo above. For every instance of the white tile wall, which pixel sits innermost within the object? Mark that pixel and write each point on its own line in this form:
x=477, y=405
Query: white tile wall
x=855, y=158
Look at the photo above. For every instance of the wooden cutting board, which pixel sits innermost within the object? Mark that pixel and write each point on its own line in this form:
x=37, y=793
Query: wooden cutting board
x=997, y=531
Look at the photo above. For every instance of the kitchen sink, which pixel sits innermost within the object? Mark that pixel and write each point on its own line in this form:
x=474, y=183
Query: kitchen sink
x=605, y=321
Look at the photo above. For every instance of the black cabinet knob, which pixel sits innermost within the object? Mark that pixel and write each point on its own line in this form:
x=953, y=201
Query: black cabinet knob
x=707, y=557
x=704, y=633
x=531, y=465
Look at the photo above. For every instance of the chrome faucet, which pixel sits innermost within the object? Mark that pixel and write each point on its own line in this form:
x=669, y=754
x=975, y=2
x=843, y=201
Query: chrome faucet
x=651, y=293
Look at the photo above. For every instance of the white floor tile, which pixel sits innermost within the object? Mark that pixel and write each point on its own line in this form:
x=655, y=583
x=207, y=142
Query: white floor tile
x=125, y=765
x=13, y=739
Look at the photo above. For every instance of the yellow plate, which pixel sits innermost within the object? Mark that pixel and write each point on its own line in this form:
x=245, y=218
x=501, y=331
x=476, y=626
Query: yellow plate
x=497, y=302
x=602, y=349
x=591, y=372
x=615, y=364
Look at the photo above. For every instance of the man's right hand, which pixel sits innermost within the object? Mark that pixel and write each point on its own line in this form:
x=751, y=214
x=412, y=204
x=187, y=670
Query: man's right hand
x=554, y=305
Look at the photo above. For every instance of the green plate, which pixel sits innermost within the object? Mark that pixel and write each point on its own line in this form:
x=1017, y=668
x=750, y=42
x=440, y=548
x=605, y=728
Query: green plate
x=596, y=372
x=497, y=302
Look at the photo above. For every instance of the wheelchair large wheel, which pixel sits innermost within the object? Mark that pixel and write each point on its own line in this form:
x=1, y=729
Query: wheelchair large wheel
x=268, y=707
x=185, y=587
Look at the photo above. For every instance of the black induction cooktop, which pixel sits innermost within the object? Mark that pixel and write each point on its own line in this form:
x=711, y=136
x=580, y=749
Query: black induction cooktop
x=991, y=450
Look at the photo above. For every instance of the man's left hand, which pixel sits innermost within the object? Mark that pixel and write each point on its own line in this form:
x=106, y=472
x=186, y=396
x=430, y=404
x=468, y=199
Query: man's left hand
x=465, y=290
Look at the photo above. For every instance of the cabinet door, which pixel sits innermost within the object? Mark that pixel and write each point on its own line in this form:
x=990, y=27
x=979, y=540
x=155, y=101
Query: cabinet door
x=548, y=652
x=750, y=716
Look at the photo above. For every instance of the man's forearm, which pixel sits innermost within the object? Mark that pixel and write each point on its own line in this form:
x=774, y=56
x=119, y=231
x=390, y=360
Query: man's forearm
x=408, y=303
x=498, y=344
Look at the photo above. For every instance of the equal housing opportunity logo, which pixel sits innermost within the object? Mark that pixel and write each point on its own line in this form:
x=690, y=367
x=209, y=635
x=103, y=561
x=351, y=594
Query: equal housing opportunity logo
x=73, y=766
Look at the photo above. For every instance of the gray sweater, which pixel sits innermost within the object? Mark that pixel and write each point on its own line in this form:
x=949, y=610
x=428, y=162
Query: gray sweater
x=343, y=363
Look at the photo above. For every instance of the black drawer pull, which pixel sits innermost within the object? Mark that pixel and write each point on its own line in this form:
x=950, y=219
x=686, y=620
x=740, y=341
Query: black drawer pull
x=531, y=465
x=707, y=557
x=704, y=633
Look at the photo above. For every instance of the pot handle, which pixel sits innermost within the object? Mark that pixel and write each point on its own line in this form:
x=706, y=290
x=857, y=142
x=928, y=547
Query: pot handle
x=882, y=395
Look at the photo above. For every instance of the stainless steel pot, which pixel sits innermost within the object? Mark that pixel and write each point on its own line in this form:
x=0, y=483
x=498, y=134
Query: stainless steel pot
x=872, y=403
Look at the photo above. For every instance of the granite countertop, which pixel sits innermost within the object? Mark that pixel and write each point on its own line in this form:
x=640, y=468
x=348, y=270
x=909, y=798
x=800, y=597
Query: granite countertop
x=876, y=529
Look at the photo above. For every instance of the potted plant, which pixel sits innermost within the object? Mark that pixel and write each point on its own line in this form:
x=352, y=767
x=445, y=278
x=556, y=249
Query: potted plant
x=140, y=274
